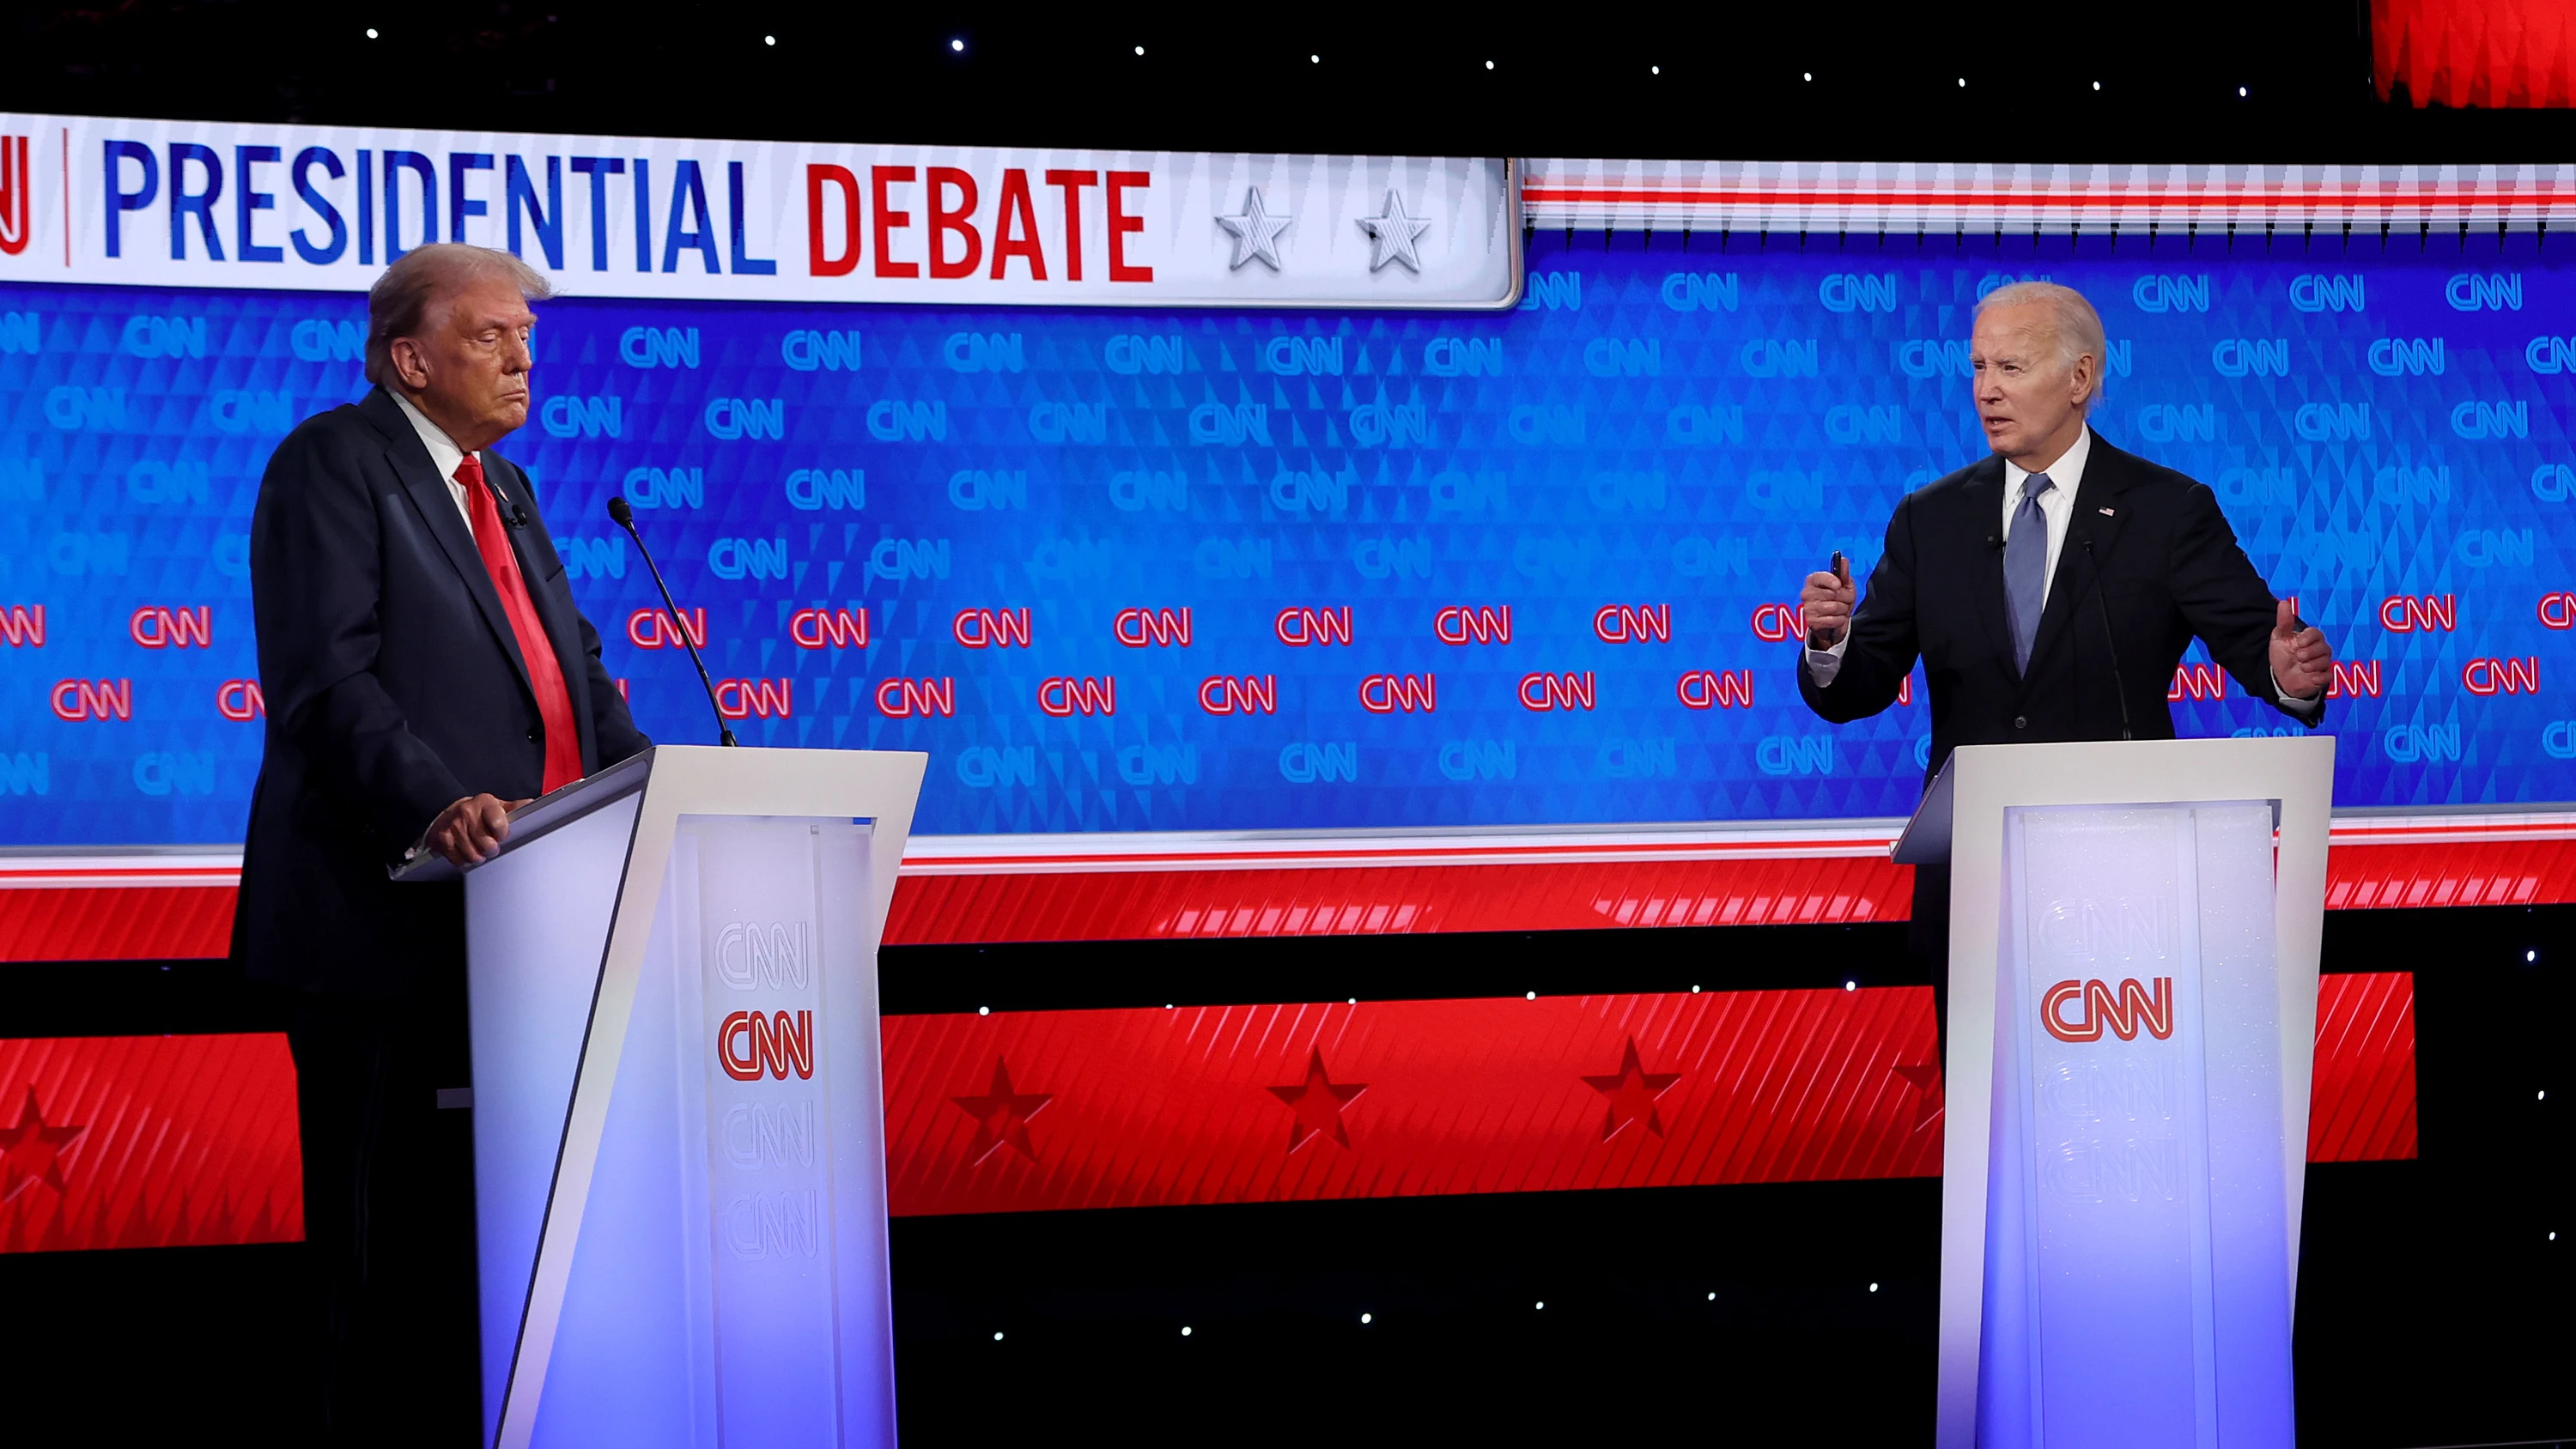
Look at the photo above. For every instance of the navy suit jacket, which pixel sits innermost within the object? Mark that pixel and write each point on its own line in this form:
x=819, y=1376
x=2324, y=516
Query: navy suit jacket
x=394, y=687
x=2169, y=567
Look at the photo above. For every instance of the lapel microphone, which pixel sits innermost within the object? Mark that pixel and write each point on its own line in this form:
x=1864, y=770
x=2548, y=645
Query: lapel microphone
x=624, y=517
x=512, y=515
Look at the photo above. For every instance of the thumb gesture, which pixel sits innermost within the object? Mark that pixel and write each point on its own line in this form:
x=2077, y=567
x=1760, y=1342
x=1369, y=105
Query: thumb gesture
x=2302, y=663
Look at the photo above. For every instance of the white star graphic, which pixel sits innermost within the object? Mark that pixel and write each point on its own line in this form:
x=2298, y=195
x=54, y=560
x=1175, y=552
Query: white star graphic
x=1391, y=236
x=1256, y=233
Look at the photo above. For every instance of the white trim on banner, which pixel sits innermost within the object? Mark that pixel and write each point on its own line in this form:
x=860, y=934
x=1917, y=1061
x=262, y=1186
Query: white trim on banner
x=2312, y=202
x=325, y=208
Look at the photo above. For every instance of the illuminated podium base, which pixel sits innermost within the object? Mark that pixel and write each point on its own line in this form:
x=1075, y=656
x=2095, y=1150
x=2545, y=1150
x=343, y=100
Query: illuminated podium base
x=679, y=1145
x=2133, y=989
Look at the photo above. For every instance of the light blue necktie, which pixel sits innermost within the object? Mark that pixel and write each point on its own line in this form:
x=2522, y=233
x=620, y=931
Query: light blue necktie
x=2026, y=568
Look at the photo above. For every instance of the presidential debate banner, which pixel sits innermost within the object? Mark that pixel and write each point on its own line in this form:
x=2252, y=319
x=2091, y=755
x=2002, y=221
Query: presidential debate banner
x=1174, y=567
x=322, y=208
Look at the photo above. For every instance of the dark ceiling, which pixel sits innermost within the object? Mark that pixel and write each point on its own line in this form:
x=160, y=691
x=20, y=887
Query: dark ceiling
x=1783, y=81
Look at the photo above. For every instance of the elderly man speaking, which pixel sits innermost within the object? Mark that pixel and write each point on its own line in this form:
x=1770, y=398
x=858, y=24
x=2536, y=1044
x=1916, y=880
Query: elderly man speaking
x=424, y=669
x=2051, y=588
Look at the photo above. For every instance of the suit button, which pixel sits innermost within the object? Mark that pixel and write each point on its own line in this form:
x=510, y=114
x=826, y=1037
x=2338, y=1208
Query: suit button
x=532, y=734
x=2019, y=723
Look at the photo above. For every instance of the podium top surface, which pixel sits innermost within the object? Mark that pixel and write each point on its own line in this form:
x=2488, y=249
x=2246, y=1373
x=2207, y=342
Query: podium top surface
x=2114, y=771
x=718, y=780
x=547, y=813
x=1926, y=840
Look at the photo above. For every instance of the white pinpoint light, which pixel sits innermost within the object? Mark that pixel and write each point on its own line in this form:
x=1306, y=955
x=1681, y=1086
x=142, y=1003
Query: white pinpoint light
x=960, y=45
x=769, y=40
x=1364, y=1318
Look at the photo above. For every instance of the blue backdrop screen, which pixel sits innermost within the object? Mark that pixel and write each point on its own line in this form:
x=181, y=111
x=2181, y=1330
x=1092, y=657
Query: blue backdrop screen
x=1229, y=570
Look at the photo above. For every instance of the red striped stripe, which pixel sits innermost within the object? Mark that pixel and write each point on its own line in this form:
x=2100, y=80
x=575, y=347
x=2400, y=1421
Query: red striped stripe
x=182, y=921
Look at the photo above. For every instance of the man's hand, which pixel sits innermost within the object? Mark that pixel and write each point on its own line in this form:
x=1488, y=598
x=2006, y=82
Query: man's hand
x=1826, y=604
x=2302, y=662
x=469, y=831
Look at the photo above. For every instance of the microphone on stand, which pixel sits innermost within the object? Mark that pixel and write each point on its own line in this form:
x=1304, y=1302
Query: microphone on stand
x=2109, y=644
x=624, y=517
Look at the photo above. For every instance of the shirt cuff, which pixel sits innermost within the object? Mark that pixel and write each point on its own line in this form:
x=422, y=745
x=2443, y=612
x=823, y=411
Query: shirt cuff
x=2304, y=708
x=1824, y=664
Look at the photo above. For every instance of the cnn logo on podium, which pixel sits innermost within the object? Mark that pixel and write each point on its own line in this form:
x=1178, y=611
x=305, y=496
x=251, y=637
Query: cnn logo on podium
x=752, y=1045
x=2096, y=1005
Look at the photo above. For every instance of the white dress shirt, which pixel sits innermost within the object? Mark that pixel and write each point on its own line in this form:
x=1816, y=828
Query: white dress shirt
x=444, y=455
x=2057, y=509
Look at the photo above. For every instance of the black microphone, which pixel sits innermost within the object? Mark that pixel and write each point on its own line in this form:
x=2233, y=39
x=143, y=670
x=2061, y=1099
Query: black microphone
x=2094, y=587
x=624, y=517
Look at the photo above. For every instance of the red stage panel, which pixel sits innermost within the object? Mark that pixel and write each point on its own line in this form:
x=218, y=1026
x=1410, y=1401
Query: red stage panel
x=2363, y=1104
x=176, y=921
x=180, y=1141
x=148, y=1142
x=116, y=923
x=1561, y=896
x=1372, y=900
x=1029, y=1111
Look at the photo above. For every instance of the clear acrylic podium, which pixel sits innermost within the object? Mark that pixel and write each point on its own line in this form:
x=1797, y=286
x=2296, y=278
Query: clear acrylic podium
x=679, y=1148
x=2133, y=989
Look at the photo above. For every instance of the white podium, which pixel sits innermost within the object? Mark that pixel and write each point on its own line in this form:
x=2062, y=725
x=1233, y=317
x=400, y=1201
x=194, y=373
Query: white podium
x=679, y=1146
x=2133, y=990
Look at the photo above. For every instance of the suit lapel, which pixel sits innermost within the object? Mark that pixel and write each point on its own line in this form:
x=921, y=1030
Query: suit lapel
x=437, y=508
x=2098, y=517
x=1983, y=500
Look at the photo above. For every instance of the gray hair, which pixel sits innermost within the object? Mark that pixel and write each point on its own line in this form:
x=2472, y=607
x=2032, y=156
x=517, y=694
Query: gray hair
x=399, y=301
x=2076, y=326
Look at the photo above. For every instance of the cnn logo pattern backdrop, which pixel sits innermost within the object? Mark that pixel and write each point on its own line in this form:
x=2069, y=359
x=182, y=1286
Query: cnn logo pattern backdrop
x=1224, y=570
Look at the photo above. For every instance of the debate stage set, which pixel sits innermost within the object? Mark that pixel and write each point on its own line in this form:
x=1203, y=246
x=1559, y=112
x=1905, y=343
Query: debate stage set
x=1276, y=877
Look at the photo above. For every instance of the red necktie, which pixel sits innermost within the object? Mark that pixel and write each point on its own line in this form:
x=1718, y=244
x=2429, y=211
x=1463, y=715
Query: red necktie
x=554, y=702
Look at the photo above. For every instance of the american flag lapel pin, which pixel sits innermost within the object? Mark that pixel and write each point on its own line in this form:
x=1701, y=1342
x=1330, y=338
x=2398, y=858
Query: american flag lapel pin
x=2106, y=513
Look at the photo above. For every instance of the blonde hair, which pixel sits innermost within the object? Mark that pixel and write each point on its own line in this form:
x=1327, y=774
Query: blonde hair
x=2076, y=326
x=399, y=301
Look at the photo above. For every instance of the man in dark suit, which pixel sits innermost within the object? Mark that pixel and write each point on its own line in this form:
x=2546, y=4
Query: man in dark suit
x=2051, y=588
x=424, y=669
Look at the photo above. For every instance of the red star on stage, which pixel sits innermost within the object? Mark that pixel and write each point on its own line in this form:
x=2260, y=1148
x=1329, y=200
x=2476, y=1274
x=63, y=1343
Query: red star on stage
x=1632, y=1094
x=1317, y=1101
x=1926, y=1077
x=31, y=1152
x=1002, y=1115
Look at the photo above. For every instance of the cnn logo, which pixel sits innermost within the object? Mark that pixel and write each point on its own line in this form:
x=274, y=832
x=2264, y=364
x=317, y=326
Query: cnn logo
x=751, y=1045
x=2096, y=1006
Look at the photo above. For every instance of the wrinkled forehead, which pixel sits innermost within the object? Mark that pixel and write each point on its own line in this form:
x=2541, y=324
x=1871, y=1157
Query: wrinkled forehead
x=478, y=304
x=2026, y=331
